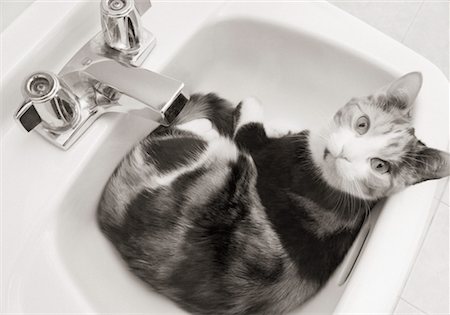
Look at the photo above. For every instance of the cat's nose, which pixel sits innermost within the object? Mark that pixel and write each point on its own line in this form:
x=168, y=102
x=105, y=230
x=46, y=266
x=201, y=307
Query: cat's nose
x=343, y=157
x=326, y=153
x=340, y=155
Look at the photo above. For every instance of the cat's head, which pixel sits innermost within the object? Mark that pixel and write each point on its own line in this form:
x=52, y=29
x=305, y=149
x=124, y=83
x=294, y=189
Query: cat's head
x=370, y=150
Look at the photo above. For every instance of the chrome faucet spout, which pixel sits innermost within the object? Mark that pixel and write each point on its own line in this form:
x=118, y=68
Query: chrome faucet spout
x=137, y=91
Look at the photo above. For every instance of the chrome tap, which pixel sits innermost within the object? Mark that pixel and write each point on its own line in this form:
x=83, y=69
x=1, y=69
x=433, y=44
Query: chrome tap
x=122, y=31
x=101, y=77
x=121, y=24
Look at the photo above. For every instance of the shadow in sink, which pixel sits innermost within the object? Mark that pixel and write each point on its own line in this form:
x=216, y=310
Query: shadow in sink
x=300, y=80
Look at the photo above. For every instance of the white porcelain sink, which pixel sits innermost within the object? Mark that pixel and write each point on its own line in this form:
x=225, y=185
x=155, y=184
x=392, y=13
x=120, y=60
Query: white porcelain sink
x=302, y=60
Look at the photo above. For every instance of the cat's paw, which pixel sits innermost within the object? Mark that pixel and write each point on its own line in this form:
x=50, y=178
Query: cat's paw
x=202, y=127
x=249, y=111
x=280, y=129
x=274, y=132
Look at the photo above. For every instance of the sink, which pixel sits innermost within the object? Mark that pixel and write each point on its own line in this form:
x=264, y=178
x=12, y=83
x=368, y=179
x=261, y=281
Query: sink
x=302, y=60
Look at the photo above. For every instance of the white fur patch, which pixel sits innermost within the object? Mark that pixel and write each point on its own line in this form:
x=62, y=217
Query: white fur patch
x=251, y=112
x=201, y=127
x=338, y=173
x=220, y=149
x=223, y=149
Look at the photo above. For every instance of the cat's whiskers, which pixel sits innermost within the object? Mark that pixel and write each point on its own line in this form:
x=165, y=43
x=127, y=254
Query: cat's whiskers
x=365, y=204
x=342, y=199
x=411, y=168
x=352, y=197
x=326, y=138
x=415, y=159
x=340, y=202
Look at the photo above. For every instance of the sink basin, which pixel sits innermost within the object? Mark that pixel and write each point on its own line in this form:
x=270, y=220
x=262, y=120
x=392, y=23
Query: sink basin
x=55, y=258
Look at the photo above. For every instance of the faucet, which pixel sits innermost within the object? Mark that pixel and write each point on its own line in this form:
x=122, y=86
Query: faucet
x=102, y=77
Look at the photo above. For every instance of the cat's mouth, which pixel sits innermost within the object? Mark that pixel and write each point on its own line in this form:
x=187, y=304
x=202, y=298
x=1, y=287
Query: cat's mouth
x=326, y=152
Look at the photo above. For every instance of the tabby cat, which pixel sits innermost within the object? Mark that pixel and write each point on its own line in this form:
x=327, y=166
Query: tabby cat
x=222, y=218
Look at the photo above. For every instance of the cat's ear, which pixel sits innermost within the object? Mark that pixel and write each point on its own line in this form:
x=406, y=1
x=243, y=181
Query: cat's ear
x=403, y=92
x=431, y=164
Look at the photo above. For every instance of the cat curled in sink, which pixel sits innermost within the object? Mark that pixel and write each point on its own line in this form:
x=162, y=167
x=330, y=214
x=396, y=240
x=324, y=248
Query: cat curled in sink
x=229, y=220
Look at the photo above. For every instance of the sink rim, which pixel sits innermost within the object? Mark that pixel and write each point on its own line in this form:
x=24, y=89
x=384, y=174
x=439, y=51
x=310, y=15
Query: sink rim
x=104, y=127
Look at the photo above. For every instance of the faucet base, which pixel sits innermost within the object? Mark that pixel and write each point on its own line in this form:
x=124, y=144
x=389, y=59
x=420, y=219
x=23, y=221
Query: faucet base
x=96, y=50
x=137, y=57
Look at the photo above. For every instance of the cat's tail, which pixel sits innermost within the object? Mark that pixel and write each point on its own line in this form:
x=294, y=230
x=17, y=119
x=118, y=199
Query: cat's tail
x=210, y=106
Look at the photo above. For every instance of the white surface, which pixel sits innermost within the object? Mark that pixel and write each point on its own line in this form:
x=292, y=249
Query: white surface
x=404, y=308
x=445, y=195
x=429, y=33
x=422, y=25
x=390, y=17
x=288, y=54
x=10, y=10
x=428, y=286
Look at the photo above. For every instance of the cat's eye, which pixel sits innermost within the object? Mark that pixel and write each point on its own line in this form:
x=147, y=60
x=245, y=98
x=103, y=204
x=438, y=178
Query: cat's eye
x=362, y=125
x=379, y=166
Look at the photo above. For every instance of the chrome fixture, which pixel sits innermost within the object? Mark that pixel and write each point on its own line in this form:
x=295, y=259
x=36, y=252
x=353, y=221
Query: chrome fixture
x=122, y=31
x=50, y=102
x=102, y=77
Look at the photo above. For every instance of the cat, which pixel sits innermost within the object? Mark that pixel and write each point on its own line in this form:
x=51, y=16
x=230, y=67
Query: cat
x=223, y=218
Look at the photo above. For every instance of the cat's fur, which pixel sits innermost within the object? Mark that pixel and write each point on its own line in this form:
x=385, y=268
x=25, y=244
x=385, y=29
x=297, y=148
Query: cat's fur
x=227, y=220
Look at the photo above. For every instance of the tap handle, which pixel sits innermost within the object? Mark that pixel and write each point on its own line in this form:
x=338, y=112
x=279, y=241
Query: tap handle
x=121, y=23
x=27, y=116
x=48, y=101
